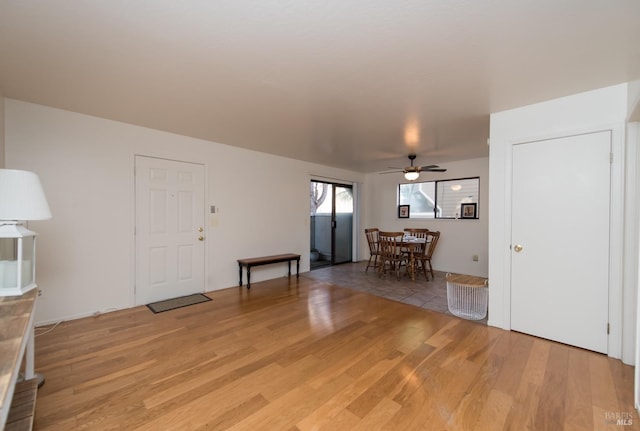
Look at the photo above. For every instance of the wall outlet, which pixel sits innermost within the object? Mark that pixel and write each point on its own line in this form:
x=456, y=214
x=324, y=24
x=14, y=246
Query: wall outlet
x=475, y=258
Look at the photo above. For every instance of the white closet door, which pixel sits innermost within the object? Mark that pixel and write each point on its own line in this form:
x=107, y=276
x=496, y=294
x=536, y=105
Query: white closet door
x=560, y=239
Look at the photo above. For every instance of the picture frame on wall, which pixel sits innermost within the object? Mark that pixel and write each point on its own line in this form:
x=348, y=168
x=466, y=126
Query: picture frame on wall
x=403, y=211
x=469, y=211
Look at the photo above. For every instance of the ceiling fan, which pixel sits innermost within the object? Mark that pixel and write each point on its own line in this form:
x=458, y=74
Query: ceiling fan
x=411, y=173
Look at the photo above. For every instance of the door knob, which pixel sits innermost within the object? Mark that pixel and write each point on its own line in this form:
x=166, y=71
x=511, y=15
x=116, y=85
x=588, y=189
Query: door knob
x=200, y=229
x=517, y=248
x=200, y=238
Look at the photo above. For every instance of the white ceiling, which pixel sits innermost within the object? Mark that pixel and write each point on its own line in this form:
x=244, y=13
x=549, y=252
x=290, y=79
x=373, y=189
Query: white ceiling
x=356, y=84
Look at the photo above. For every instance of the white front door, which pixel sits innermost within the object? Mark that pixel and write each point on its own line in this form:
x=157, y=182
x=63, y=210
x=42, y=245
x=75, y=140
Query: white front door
x=560, y=239
x=169, y=229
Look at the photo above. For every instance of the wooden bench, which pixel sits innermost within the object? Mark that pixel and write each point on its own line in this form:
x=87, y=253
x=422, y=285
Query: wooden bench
x=267, y=260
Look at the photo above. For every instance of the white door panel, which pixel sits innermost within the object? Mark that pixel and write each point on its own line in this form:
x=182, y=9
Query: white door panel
x=169, y=220
x=560, y=219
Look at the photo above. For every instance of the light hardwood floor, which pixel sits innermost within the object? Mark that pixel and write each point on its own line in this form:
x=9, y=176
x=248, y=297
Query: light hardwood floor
x=310, y=355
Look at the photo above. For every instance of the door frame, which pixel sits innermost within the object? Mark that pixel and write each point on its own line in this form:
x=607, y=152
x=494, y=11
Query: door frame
x=333, y=222
x=616, y=228
x=355, y=249
x=133, y=247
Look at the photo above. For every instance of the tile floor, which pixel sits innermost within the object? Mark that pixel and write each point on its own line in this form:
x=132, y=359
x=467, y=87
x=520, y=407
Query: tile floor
x=430, y=295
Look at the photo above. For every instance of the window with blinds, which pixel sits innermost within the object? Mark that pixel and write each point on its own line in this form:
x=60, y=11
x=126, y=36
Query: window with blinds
x=448, y=199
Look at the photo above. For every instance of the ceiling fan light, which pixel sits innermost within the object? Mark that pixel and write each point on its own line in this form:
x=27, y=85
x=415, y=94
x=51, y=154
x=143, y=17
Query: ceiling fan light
x=411, y=175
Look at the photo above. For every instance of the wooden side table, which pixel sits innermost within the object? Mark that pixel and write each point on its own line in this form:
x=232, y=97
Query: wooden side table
x=16, y=342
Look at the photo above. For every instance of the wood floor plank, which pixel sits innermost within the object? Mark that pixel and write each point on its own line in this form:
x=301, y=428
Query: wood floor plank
x=408, y=417
x=552, y=406
x=344, y=420
x=526, y=401
x=495, y=411
x=378, y=417
x=578, y=407
x=511, y=373
x=310, y=355
x=228, y=404
x=289, y=409
x=605, y=397
x=334, y=406
x=232, y=416
x=393, y=378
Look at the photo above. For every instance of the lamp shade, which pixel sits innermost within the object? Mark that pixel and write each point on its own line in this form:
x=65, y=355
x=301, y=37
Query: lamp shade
x=22, y=197
x=411, y=175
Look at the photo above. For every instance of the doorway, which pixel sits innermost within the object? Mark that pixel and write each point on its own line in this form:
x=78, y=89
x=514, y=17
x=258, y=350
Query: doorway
x=331, y=225
x=169, y=229
x=561, y=193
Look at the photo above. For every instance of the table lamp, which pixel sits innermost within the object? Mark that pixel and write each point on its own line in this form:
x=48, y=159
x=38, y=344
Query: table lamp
x=21, y=199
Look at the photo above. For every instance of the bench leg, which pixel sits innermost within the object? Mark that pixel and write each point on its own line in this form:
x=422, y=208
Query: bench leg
x=248, y=276
x=297, y=268
x=240, y=271
x=289, y=262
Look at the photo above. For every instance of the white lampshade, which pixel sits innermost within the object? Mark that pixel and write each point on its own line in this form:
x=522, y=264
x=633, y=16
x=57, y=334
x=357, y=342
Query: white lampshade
x=411, y=175
x=22, y=197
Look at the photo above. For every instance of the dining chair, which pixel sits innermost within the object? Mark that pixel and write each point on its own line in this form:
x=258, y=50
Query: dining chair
x=418, y=250
x=425, y=260
x=416, y=233
x=391, y=255
x=407, y=230
x=373, y=238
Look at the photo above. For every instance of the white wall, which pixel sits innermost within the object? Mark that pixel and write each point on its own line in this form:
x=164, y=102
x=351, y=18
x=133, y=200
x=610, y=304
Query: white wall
x=459, y=239
x=603, y=109
x=86, y=252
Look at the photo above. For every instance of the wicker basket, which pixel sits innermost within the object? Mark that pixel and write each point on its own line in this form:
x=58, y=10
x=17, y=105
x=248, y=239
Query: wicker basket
x=467, y=296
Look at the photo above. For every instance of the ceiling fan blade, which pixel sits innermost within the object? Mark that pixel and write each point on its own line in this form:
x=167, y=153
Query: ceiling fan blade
x=391, y=172
x=433, y=170
x=426, y=168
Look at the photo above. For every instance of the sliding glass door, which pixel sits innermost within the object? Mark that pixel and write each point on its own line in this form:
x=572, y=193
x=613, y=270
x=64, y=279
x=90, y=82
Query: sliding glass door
x=331, y=223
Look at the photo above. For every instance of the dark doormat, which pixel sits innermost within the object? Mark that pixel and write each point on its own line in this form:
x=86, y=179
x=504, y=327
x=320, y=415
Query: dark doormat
x=183, y=301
